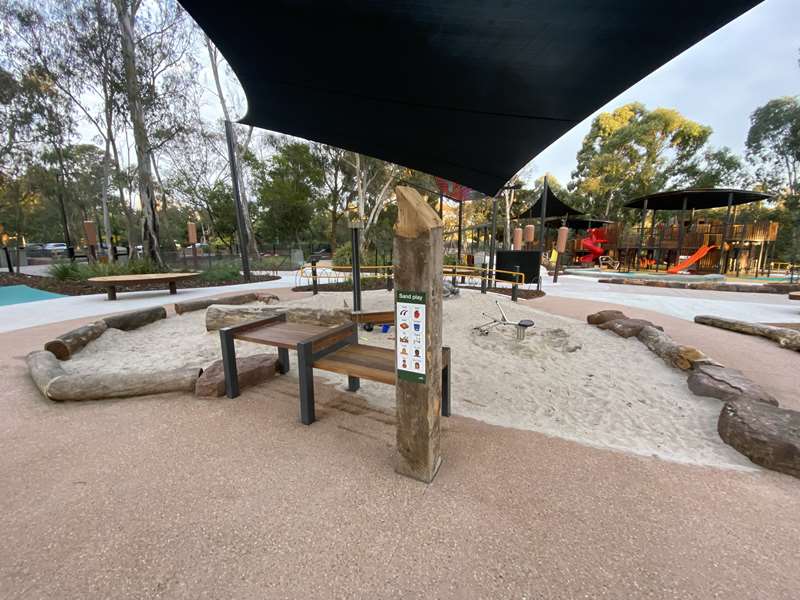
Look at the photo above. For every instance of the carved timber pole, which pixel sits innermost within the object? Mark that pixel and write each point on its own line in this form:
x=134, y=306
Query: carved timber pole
x=417, y=261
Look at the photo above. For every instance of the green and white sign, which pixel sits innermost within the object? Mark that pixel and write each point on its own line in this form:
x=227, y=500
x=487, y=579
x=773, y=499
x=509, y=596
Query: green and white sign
x=410, y=346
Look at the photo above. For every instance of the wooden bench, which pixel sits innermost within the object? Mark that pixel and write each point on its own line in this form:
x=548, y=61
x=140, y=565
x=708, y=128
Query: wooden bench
x=111, y=283
x=794, y=295
x=334, y=349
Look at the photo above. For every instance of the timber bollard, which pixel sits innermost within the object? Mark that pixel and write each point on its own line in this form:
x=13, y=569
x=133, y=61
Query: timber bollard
x=484, y=277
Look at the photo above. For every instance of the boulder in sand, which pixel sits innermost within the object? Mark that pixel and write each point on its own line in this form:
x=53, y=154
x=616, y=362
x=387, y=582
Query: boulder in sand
x=603, y=316
x=728, y=385
x=627, y=327
x=251, y=370
x=766, y=434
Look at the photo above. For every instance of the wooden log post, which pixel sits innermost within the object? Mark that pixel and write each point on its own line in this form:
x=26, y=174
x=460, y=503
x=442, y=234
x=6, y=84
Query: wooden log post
x=418, y=254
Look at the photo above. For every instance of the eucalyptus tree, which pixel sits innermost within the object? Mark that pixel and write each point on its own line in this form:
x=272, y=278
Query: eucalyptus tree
x=773, y=147
x=632, y=151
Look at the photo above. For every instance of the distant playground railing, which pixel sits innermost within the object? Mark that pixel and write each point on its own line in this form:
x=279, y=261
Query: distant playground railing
x=310, y=274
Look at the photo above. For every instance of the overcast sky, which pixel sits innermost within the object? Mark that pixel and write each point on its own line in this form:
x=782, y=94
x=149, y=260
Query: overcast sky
x=718, y=82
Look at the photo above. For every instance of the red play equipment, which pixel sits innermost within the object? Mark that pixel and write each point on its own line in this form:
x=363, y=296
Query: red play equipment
x=591, y=244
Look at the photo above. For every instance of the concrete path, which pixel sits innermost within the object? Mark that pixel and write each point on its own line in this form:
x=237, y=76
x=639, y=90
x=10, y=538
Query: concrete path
x=683, y=304
x=30, y=314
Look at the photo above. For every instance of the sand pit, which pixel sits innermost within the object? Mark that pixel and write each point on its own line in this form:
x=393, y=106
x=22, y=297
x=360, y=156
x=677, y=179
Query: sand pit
x=566, y=379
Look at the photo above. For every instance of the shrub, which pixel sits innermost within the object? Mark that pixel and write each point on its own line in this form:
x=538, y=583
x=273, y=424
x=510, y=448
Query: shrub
x=65, y=270
x=226, y=271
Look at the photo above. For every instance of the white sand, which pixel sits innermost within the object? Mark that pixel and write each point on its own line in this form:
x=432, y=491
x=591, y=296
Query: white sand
x=566, y=379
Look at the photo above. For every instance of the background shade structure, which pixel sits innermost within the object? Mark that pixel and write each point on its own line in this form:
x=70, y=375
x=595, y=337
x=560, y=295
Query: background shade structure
x=469, y=91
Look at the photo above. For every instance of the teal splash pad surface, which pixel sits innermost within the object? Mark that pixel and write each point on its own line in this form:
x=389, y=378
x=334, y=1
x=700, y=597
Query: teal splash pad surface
x=17, y=294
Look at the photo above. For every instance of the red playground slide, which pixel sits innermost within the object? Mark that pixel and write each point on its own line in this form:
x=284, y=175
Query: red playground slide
x=592, y=244
x=675, y=269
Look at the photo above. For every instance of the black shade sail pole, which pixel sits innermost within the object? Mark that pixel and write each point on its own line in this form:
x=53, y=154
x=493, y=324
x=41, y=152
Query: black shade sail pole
x=491, y=273
x=680, y=231
x=723, y=254
x=641, y=233
x=355, y=251
x=541, y=234
x=460, y=224
x=237, y=201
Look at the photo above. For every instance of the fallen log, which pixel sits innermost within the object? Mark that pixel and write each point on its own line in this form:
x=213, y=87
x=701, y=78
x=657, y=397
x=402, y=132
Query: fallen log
x=120, y=385
x=65, y=345
x=786, y=338
x=135, y=318
x=674, y=354
x=192, y=305
x=43, y=367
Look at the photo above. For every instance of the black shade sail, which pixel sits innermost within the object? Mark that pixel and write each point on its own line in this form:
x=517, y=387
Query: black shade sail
x=469, y=91
x=553, y=208
x=696, y=199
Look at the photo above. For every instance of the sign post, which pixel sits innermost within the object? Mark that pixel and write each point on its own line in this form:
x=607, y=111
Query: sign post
x=417, y=258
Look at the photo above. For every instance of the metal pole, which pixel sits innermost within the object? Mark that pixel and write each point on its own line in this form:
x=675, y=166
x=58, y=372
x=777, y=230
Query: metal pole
x=492, y=240
x=355, y=229
x=723, y=255
x=541, y=234
x=237, y=201
x=441, y=204
x=680, y=231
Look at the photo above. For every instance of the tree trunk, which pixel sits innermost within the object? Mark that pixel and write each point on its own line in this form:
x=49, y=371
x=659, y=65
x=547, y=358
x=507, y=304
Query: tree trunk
x=121, y=385
x=64, y=346
x=192, y=305
x=787, y=338
x=248, y=222
x=104, y=201
x=127, y=18
x=135, y=318
x=674, y=354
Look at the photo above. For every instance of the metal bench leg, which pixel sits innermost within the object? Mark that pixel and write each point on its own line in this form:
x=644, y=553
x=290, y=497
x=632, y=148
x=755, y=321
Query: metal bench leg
x=173, y=287
x=283, y=361
x=305, y=371
x=229, y=364
x=353, y=383
x=446, y=385
x=112, y=292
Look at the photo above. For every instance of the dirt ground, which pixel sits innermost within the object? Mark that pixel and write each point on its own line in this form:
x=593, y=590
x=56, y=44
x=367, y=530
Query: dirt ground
x=175, y=497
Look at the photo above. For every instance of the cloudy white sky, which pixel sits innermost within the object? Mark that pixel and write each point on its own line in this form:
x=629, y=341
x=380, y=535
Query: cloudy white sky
x=717, y=82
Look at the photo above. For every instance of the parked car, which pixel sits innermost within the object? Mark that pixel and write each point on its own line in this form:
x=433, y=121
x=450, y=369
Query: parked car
x=55, y=248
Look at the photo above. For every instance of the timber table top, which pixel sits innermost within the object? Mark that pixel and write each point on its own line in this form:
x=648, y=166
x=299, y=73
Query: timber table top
x=144, y=278
x=794, y=295
x=282, y=335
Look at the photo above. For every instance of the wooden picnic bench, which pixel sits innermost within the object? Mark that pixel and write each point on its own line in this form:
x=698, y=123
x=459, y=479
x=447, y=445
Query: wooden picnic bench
x=334, y=349
x=111, y=283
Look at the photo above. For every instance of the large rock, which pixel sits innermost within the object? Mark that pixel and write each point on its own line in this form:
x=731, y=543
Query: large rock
x=449, y=290
x=767, y=435
x=627, y=327
x=252, y=370
x=728, y=385
x=604, y=316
